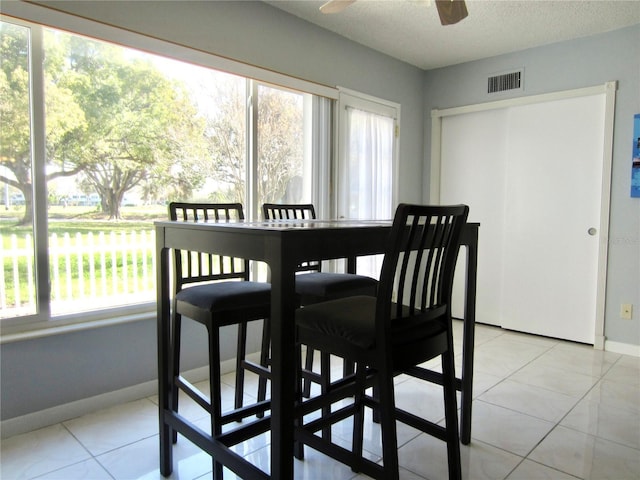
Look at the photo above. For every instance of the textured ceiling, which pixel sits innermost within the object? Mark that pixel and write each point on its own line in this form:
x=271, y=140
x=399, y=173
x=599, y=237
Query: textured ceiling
x=410, y=30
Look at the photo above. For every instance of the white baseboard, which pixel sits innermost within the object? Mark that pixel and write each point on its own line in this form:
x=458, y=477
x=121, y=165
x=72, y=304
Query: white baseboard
x=624, y=348
x=61, y=413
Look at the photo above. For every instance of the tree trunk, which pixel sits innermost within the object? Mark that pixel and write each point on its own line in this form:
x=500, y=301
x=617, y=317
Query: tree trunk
x=113, y=204
x=27, y=218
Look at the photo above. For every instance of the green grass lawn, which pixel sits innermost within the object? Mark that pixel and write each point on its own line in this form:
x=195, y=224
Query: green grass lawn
x=78, y=223
x=84, y=219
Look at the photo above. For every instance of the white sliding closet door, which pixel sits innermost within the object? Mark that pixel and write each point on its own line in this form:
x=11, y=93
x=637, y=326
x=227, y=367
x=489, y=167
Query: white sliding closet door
x=532, y=175
x=553, y=199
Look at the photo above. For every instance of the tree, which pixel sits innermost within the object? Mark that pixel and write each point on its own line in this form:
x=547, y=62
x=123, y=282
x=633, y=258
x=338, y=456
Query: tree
x=116, y=119
x=280, y=143
x=15, y=145
x=279, y=136
x=226, y=132
x=143, y=129
x=63, y=115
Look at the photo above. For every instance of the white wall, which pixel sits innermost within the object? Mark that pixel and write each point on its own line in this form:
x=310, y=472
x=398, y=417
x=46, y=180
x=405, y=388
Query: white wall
x=564, y=66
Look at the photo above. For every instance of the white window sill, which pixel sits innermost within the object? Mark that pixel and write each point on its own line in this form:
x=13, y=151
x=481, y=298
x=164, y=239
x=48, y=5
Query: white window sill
x=31, y=331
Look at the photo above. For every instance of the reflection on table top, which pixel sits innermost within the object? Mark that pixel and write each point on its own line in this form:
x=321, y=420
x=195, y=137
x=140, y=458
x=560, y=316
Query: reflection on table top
x=285, y=224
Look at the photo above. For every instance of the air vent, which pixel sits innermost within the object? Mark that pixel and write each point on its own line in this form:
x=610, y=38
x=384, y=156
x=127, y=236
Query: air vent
x=505, y=81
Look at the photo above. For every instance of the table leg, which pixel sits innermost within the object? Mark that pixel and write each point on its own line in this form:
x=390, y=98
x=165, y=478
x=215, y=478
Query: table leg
x=468, y=341
x=164, y=342
x=283, y=367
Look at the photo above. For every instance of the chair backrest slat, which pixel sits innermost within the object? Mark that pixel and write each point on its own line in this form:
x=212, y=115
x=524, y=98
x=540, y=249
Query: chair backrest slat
x=196, y=267
x=288, y=211
x=417, y=271
x=292, y=211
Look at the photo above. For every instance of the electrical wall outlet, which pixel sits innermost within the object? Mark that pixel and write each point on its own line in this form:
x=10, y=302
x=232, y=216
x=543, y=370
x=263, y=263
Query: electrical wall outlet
x=626, y=311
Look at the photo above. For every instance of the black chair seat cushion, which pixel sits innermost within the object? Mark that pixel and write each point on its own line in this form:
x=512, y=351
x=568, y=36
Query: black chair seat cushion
x=352, y=320
x=227, y=296
x=334, y=285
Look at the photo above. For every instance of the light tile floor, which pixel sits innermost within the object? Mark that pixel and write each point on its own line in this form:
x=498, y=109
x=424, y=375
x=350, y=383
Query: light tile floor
x=543, y=409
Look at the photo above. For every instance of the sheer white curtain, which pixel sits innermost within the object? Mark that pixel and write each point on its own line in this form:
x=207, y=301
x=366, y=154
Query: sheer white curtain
x=367, y=174
x=366, y=169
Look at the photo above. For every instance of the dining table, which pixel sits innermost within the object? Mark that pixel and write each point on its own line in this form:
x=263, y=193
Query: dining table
x=282, y=245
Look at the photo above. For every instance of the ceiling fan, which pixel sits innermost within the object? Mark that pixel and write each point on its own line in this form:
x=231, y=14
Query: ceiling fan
x=450, y=11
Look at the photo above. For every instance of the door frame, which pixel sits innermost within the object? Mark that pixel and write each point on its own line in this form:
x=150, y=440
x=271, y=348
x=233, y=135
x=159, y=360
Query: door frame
x=609, y=90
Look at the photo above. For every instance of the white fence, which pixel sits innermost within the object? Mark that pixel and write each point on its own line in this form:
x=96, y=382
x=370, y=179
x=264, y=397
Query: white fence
x=86, y=271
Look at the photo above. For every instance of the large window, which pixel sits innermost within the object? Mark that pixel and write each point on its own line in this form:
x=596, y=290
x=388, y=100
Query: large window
x=97, y=138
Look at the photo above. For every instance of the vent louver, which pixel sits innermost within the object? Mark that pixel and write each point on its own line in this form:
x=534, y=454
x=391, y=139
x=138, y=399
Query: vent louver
x=505, y=81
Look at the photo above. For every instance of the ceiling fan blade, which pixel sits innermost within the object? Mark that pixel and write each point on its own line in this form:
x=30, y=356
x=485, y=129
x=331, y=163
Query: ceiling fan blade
x=335, y=6
x=451, y=11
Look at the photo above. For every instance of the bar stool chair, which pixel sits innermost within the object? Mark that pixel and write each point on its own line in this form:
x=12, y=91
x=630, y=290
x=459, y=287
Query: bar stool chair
x=407, y=324
x=315, y=286
x=215, y=291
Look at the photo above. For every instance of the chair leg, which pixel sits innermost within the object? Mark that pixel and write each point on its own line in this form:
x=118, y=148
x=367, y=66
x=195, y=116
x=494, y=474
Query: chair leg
x=388, y=423
x=241, y=352
x=175, y=366
x=358, y=419
x=215, y=399
x=451, y=416
x=298, y=447
x=376, y=396
x=308, y=365
x=325, y=383
x=264, y=361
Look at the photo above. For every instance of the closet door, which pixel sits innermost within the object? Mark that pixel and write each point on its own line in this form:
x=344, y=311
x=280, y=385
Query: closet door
x=553, y=179
x=472, y=172
x=532, y=176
